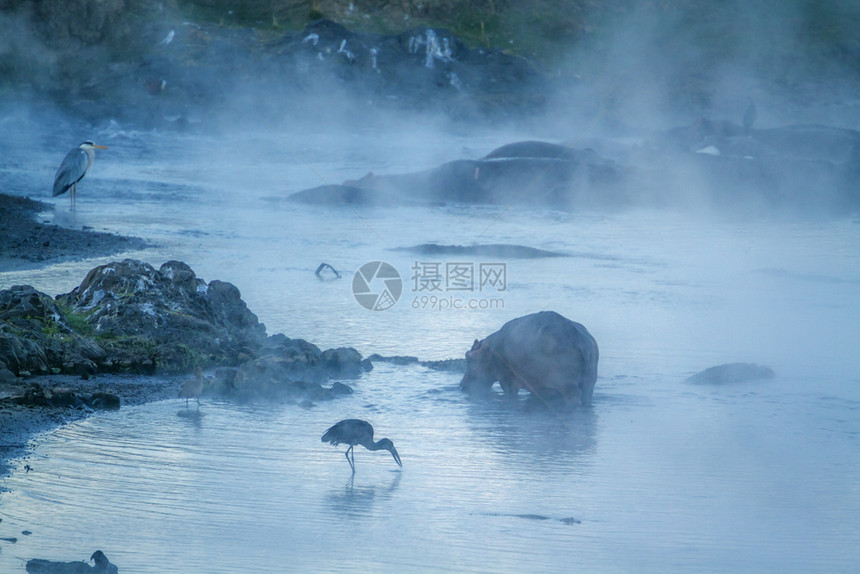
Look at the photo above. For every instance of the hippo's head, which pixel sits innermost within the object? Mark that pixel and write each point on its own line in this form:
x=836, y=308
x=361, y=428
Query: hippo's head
x=479, y=372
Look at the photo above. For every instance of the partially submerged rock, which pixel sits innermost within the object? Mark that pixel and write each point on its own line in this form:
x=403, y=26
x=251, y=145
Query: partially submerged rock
x=293, y=370
x=732, y=373
x=498, y=250
x=101, y=565
x=38, y=396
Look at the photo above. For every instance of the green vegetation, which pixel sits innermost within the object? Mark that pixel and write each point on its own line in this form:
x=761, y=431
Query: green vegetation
x=771, y=37
x=78, y=322
x=684, y=48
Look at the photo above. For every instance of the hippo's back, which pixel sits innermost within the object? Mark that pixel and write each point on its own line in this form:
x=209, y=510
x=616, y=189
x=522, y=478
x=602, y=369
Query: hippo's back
x=550, y=351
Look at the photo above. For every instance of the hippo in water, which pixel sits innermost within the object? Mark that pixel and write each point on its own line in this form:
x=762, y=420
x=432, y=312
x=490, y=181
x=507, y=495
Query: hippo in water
x=549, y=355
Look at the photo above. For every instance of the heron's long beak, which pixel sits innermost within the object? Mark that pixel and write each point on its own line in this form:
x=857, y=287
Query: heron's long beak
x=396, y=456
x=100, y=146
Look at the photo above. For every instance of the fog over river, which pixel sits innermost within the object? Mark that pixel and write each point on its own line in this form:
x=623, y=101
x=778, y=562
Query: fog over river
x=658, y=475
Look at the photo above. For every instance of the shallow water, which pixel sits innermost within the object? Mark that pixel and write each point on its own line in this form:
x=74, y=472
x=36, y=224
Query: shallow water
x=659, y=475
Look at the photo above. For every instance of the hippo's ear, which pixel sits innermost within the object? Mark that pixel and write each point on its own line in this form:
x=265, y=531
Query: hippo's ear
x=476, y=344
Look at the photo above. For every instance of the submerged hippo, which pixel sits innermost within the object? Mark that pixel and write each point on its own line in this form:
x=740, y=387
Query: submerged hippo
x=552, y=357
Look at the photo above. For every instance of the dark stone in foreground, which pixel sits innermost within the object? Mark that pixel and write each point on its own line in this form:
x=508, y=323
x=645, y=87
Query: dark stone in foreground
x=128, y=317
x=165, y=319
x=732, y=373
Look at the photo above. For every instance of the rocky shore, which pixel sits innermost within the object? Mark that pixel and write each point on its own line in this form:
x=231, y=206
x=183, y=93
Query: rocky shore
x=131, y=333
x=28, y=241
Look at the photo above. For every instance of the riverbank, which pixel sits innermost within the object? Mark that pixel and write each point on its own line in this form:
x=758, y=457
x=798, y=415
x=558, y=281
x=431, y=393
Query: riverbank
x=28, y=241
x=20, y=424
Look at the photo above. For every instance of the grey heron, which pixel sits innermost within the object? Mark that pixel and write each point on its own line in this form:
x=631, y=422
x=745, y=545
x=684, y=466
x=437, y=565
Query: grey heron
x=74, y=168
x=192, y=388
x=355, y=431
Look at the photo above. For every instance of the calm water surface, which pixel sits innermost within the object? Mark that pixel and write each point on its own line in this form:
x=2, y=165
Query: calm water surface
x=659, y=475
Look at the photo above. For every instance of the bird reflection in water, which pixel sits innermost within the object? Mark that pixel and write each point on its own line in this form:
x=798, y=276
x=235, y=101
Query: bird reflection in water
x=358, y=501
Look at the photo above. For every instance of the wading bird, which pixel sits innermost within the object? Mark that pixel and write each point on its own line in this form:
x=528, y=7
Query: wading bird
x=355, y=431
x=192, y=388
x=74, y=168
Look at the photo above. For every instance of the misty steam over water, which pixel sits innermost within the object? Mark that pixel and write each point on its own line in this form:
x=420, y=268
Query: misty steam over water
x=659, y=475
x=688, y=229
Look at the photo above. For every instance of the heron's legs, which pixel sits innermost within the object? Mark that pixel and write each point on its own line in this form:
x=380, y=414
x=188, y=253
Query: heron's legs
x=72, y=196
x=351, y=462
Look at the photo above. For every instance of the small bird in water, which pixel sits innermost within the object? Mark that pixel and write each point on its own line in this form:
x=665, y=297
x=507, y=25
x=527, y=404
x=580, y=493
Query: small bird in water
x=102, y=566
x=74, y=168
x=355, y=431
x=192, y=388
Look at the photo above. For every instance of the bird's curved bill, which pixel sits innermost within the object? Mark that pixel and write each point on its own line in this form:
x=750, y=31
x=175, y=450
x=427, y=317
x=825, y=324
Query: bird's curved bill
x=396, y=456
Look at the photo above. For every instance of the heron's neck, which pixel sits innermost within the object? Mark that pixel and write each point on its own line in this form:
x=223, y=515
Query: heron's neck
x=374, y=445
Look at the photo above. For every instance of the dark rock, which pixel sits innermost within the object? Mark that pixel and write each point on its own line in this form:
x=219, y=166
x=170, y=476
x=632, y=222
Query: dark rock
x=338, y=389
x=293, y=375
x=64, y=398
x=129, y=317
x=27, y=317
x=732, y=373
x=342, y=362
x=419, y=69
x=451, y=365
x=165, y=319
x=224, y=382
x=101, y=566
x=309, y=390
x=103, y=401
x=396, y=359
x=37, y=395
x=6, y=376
x=490, y=250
